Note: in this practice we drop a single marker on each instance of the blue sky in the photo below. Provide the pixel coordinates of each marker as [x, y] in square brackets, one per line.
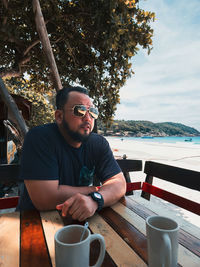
[166, 84]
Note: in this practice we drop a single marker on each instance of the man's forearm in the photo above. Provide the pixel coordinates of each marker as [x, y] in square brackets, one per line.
[113, 189]
[45, 195]
[65, 191]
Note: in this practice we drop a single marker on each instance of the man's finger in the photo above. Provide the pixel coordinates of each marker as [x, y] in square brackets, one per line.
[59, 207]
[66, 205]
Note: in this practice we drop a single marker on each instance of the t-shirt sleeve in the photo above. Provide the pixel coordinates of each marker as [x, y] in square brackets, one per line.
[38, 162]
[106, 166]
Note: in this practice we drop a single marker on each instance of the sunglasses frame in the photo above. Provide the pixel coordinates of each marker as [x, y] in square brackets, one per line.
[93, 115]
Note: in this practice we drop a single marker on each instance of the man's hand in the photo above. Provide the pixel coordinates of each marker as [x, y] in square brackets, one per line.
[79, 206]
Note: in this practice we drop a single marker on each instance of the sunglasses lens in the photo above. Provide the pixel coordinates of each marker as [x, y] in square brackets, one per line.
[80, 111]
[94, 113]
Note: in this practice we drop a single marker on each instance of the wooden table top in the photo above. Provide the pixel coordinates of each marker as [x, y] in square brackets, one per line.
[27, 239]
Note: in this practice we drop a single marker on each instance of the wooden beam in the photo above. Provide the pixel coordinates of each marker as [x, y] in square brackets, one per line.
[10, 103]
[172, 198]
[176, 175]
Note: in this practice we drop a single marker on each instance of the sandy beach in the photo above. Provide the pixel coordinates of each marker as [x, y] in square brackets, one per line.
[184, 155]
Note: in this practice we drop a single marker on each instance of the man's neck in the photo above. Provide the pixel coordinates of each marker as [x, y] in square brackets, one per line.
[68, 138]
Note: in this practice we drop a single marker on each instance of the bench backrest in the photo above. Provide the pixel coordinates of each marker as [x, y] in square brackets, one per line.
[184, 177]
[9, 175]
[127, 165]
[176, 175]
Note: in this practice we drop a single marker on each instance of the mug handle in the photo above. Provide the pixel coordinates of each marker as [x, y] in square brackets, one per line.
[102, 248]
[167, 250]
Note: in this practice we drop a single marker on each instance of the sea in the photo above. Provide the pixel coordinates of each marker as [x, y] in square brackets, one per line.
[194, 140]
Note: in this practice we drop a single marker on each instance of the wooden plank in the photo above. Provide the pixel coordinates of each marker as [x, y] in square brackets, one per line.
[119, 250]
[186, 239]
[51, 222]
[133, 186]
[130, 165]
[149, 179]
[9, 239]
[180, 176]
[94, 248]
[9, 202]
[172, 198]
[33, 251]
[127, 231]
[144, 210]
[94, 253]
[189, 245]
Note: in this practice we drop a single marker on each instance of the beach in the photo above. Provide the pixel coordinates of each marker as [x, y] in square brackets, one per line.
[184, 154]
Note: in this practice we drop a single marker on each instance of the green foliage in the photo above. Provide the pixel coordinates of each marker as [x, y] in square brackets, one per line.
[139, 128]
[93, 43]
[42, 109]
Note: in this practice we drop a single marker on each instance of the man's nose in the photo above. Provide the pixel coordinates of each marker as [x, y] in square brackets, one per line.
[87, 116]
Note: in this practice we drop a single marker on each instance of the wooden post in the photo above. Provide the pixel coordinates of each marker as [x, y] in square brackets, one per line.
[149, 179]
[43, 35]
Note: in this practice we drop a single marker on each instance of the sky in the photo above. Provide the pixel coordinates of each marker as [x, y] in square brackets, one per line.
[166, 84]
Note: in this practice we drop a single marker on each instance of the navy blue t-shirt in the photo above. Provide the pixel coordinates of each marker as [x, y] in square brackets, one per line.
[47, 156]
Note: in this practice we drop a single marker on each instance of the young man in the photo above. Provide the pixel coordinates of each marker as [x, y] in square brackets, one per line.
[59, 161]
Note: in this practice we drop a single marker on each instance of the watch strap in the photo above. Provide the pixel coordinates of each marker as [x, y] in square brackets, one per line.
[99, 199]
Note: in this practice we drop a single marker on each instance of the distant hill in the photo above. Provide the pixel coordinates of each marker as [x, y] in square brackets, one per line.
[147, 128]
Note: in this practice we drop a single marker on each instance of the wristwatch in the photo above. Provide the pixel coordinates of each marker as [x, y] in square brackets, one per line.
[98, 198]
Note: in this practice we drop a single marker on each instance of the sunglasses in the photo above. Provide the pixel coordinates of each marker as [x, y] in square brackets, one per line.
[80, 111]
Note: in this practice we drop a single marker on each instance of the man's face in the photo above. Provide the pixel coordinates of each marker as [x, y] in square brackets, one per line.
[78, 128]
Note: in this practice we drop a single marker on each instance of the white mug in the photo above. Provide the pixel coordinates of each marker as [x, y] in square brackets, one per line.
[162, 241]
[71, 252]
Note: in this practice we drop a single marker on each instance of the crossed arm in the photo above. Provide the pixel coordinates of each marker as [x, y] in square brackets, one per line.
[47, 195]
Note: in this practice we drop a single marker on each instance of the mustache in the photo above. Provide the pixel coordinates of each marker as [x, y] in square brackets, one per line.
[86, 124]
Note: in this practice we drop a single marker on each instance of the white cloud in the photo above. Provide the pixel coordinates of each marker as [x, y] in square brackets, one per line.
[166, 84]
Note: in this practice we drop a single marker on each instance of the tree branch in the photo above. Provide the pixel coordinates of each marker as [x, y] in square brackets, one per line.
[10, 73]
[43, 35]
[5, 3]
[31, 46]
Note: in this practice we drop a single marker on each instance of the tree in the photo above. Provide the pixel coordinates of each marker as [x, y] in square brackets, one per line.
[42, 108]
[93, 43]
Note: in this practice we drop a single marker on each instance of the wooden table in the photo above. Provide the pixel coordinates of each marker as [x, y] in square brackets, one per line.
[27, 239]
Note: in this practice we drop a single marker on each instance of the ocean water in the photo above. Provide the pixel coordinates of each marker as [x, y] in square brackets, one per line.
[169, 139]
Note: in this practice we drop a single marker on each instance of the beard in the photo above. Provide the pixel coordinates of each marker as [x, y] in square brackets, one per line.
[75, 135]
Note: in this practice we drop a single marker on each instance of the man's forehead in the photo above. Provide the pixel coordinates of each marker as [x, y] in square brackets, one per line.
[78, 98]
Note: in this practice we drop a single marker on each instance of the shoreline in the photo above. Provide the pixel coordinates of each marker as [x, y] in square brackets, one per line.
[180, 154]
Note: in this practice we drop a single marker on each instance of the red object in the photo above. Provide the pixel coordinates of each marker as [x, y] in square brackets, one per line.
[133, 186]
[8, 202]
[170, 197]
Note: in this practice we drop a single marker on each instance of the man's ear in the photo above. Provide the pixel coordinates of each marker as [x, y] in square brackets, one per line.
[59, 116]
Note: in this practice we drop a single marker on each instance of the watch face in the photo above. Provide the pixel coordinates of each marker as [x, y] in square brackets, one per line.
[97, 195]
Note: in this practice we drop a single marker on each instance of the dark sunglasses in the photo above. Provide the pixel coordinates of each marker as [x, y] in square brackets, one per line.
[80, 111]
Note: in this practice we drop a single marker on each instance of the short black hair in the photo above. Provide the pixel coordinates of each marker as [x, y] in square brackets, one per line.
[63, 94]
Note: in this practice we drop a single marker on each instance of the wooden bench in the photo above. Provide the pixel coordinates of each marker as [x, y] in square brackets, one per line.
[9, 175]
[179, 176]
[127, 166]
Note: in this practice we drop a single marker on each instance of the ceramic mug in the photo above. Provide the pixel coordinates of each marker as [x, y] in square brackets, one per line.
[71, 252]
[162, 241]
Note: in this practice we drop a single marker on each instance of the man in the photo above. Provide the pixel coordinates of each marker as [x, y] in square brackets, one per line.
[60, 159]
